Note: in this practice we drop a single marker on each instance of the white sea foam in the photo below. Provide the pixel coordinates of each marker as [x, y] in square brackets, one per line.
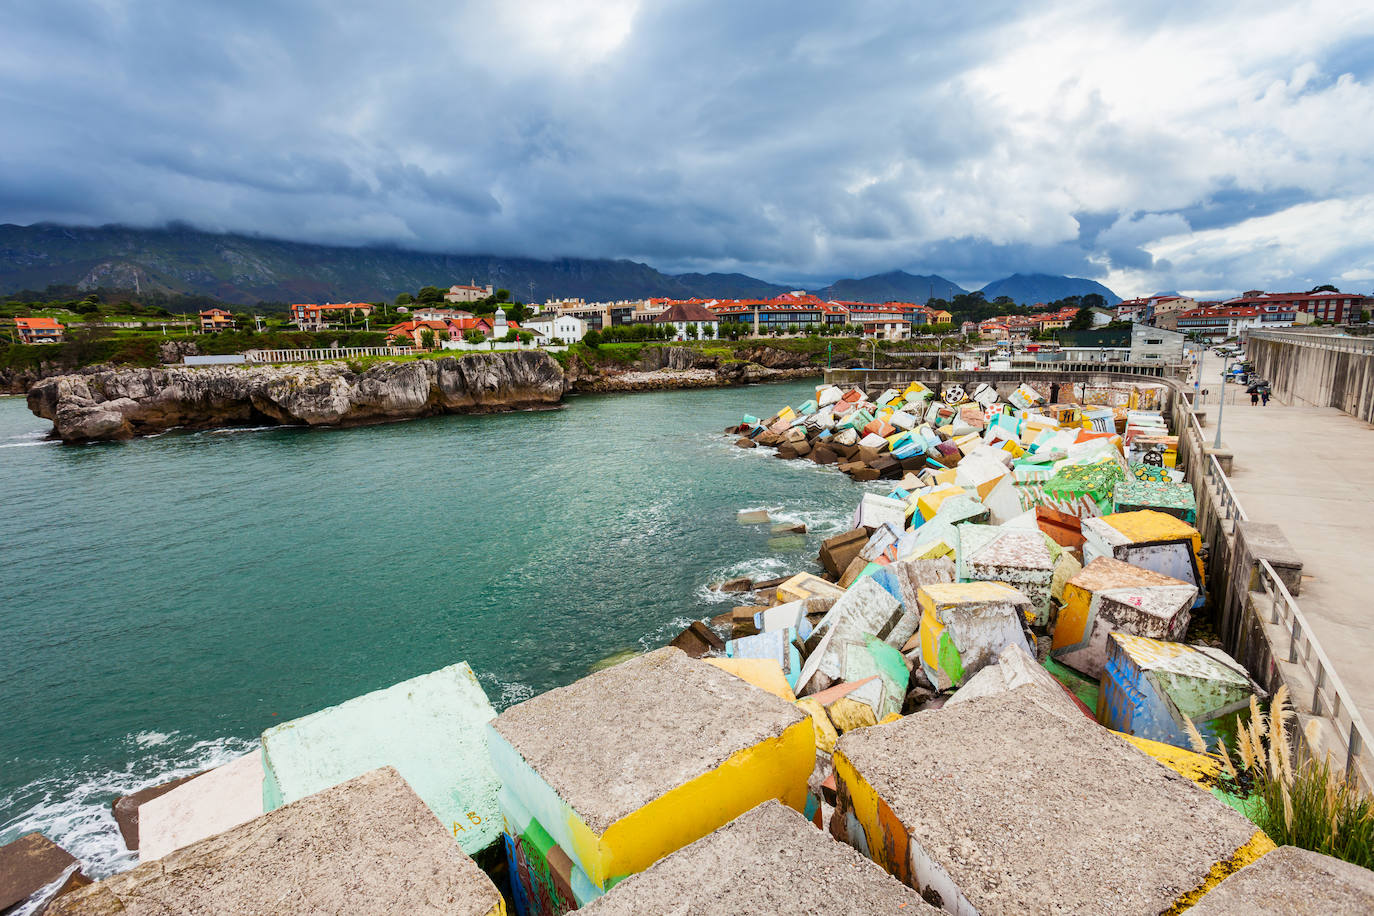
[503, 693]
[755, 568]
[73, 808]
[663, 634]
[41, 897]
[242, 429]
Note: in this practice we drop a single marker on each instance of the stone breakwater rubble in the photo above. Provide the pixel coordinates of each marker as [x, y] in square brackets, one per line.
[978, 700]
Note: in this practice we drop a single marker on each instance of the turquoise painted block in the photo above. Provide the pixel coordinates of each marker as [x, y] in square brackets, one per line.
[431, 728]
[808, 408]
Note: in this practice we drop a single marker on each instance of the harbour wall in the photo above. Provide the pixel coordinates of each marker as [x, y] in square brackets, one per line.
[1316, 370]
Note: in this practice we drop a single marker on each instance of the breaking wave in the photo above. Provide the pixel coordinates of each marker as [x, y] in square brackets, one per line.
[73, 808]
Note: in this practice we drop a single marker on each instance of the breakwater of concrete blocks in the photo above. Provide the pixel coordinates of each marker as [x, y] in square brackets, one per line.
[984, 697]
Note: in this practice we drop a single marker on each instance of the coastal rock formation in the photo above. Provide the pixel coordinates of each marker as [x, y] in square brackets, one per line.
[668, 367]
[122, 403]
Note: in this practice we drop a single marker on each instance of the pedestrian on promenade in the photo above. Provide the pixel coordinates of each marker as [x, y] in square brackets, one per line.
[1254, 398]
[1264, 396]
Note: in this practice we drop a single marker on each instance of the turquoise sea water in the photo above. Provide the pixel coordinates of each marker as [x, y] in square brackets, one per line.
[163, 601]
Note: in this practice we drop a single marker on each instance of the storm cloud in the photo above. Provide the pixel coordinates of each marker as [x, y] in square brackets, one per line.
[1204, 147]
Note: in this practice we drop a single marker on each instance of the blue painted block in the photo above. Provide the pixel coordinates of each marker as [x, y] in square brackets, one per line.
[776, 645]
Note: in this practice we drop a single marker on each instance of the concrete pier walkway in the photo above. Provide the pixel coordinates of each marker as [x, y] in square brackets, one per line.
[1310, 470]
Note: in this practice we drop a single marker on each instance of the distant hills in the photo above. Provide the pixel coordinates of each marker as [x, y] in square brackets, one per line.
[249, 269]
[894, 286]
[1028, 289]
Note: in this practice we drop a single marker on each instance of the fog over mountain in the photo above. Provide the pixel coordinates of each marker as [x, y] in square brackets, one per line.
[1164, 145]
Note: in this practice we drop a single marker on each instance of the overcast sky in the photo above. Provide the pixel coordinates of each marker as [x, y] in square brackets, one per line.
[1197, 146]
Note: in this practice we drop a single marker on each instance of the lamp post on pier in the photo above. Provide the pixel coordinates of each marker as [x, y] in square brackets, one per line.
[1225, 364]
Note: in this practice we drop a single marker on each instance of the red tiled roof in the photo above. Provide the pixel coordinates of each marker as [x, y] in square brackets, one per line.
[38, 324]
[687, 311]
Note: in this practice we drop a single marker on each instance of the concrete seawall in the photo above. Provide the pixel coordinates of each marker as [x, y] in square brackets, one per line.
[1316, 370]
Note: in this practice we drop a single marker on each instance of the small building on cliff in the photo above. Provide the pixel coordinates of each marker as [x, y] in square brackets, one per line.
[683, 314]
[216, 320]
[39, 330]
[470, 292]
[567, 328]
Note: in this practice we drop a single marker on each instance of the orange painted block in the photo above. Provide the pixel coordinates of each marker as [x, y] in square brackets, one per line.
[1064, 529]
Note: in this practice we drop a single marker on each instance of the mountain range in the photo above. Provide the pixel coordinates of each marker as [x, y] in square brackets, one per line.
[246, 269]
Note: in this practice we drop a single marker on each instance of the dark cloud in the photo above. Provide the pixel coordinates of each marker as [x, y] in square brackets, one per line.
[795, 141]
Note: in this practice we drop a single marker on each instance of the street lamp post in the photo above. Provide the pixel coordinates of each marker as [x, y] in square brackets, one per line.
[1225, 364]
[873, 363]
[940, 352]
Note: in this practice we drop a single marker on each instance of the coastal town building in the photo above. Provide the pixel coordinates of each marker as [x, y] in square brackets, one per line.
[567, 328]
[1220, 321]
[1335, 308]
[467, 293]
[216, 320]
[39, 330]
[689, 314]
[429, 313]
[411, 333]
[601, 315]
[309, 316]
[886, 328]
[1138, 343]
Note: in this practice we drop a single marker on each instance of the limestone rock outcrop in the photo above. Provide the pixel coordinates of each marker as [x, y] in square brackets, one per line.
[122, 403]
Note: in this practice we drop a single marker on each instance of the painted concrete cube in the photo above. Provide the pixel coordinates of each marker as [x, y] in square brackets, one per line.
[213, 802]
[1150, 540]
[1110, 596]
[965, 625]
[604, 777]
[866, 609]
[775, 858]
[1292, 882]
[773, 645]
[1176, 499]
[368, 845]
[874, 511]
[1151, 687]
[1008, 805]
[1021, 557]
[431, 728]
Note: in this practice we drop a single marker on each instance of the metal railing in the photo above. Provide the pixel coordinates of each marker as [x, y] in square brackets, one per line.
[1315, 340]
[322, 353]
[1231, 509]
[1329, 698]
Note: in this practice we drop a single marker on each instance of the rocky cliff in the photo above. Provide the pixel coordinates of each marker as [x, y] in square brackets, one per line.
[668, 367]
[122, 403]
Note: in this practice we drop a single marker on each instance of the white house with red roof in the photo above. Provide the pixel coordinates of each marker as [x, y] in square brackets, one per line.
[39, 330]
[682, 314]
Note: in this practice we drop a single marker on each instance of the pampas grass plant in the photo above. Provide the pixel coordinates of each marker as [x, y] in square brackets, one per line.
[1307, 805]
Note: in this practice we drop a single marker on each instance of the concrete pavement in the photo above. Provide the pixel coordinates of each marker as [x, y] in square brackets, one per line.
[1310, 470]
